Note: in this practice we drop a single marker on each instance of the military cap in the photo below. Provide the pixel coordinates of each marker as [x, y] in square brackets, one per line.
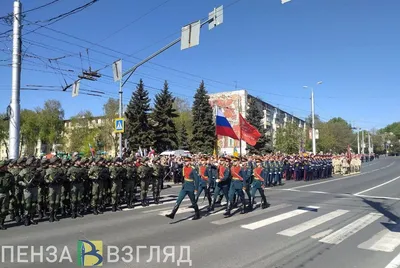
[157, 158]
[99, 159]
[75, 158]
[44, 161]
[258, 160]
[117, 160]
[83, 160]
[244, 159]
[30, 161]
[65, 161]
[21, 160]
[3, 163]
[187, 158]
[235, 158]
[54, 160]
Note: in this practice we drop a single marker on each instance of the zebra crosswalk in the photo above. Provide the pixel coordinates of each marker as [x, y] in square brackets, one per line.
[323, 225]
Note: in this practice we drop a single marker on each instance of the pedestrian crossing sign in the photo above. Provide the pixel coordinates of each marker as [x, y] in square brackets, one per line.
[119, 125]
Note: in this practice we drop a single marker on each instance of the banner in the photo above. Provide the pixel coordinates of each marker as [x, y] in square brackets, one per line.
[249, 133]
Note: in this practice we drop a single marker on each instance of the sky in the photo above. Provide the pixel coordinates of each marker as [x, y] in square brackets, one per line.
[269, 49]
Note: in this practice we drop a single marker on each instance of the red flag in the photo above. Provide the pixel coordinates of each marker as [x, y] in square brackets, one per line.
[249, 133]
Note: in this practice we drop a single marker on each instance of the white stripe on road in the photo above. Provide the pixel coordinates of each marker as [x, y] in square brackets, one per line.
[312, 223]
[338, 179]
[385, 240]
[278, 218]
[380, 185]
[395, 263]
[322, 234]
[250, 214]
[379, 197]
[160, 209]
[350, 229]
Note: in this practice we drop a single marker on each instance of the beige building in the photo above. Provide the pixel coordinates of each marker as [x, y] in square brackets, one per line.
[273, 118]
[42, 149]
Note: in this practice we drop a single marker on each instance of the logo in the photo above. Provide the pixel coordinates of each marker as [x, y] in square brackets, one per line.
[90, 253]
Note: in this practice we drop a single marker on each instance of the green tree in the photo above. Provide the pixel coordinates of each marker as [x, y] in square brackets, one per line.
[183, 138]
[185, 118]
[392, 128]
[137, 115]
[51, 120]
[254, 117]
[203, 138]
[82, 133]
[288, 138]
[30, 130]
[107, 138]
[4, 132]
[165, 134]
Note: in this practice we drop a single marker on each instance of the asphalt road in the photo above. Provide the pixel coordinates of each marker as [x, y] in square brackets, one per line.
[341, 222]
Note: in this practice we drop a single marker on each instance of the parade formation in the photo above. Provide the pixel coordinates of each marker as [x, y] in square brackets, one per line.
[33, 188]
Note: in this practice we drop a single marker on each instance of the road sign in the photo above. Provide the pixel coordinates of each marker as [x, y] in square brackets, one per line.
[218, 17]
[119, 126]
[190, 35]
[75, 88]
[117, 70]
[285, 1]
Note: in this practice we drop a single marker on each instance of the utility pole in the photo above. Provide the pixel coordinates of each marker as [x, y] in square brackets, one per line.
[362, 143]
[358, 140]
[314, 143]
[369, 147]
[14, 138]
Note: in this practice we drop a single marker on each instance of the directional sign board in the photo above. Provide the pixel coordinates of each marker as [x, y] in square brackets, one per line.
[285, 1]
[190, 35]
[75, 88]
[117, 70]
[217, 16]
[119, 125]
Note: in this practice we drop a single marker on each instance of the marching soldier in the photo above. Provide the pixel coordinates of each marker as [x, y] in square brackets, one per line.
[75, 176]
[223, 181]
[258, 185]
[65, 187]
[130, 182]
[203, 182]
[157, 178]
[144, 173]
[6, 186]
[53, 178]
[238, 185]
[95, 175]
[116, 183]
[42, 190]
[189, 180]
[29, 182]
[16, 208]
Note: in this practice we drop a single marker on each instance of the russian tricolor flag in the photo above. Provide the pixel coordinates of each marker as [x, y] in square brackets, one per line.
[223, 127]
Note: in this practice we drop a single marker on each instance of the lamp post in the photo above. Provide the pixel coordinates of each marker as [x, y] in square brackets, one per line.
[314, 145]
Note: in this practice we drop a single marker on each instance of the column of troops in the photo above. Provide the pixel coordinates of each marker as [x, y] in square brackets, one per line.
[33, 188]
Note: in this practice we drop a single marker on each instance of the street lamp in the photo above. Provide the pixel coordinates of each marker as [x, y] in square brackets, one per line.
[314, 145]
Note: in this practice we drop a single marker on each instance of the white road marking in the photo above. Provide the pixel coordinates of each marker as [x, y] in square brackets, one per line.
[312, 223]
[395, 263]
[378, 197]
[338, 179]
[350, 229]
[322, 234]
[380, 185]
[386, 240]
[278, 218]
[250, 214]
[151, 205]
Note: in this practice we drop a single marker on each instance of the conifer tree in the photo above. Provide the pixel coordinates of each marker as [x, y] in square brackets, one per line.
[183, 138]
[203, 139]
[137, 116]
[165, 134]
[254, 116]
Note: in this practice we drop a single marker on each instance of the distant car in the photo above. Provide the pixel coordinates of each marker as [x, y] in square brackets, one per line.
[176, 153]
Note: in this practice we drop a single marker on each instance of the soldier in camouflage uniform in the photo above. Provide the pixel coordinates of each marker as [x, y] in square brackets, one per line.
[65, 188]
[130, 182]
[29, 181]
[16, 209]
[75, 177]
[6, 186]
[42, 189]
[87, 184]
[53, 178]
[144, 174]
[116, 183]
[108, 165]
[157, 178]
[95, 175]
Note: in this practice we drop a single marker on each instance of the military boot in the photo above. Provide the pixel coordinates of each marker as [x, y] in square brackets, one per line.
[95, 211]
[12, 216]
[62, 210]
[172, 214]
[101, 209]
[251, 204]
[17, 218]
[156, 200]
[55, 216]
[211, 208]
[51, 216]
[40, 214]
[73, 214]
[227, 214]
[114, 208]
[27, 221]
[197, 213]
[119, 208]
[2, 226]
[32, 219]
[243, 210]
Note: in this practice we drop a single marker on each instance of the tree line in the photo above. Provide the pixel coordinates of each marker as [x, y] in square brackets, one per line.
[172, 123]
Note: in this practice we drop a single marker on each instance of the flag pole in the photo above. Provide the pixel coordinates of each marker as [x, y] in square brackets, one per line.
[216, 136]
